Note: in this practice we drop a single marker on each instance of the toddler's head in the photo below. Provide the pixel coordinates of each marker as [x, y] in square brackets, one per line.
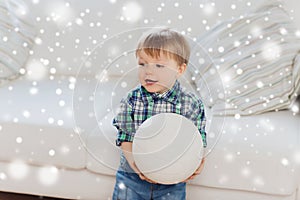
[163, 56]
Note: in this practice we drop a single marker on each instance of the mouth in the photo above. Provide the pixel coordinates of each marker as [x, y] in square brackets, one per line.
[150, 82]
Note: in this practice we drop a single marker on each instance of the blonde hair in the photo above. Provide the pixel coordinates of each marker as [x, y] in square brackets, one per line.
[165, 41]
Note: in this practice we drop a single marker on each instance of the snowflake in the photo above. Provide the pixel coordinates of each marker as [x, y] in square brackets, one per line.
[48, 175]
[19, 140]
[51, 152]
[271, 51]
[18, 169]
[132, 11]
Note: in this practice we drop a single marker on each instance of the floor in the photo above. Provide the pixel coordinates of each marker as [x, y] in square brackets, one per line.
[12, 196]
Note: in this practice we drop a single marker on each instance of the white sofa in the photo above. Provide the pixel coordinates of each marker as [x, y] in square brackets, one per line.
[43, 153]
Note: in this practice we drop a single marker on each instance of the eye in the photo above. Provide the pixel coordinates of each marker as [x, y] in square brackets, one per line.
[142, 64]
[159, 66]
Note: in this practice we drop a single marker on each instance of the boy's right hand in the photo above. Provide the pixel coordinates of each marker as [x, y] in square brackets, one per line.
[127, 150]
[141, 175]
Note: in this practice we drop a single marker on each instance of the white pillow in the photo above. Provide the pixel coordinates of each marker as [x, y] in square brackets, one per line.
[17, 37]
[246, 65]
[296, 70]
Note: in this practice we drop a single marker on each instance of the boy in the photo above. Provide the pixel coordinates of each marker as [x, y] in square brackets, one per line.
[162, 58]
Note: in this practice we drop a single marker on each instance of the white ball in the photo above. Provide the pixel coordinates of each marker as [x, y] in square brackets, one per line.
[167, 148]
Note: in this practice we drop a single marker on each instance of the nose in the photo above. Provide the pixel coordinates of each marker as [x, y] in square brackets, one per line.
[149, 68]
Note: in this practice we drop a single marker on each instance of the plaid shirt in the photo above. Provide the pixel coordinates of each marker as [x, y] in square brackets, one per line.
[140, 105]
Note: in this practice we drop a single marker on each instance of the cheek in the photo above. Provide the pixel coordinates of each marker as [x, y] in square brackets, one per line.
[167, 77]
[141, 74]
[173, 70]
[170, 73]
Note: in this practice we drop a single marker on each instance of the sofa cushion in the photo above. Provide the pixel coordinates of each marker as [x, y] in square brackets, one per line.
[255, 153]
[17, 37]
[195, 191]
[103, 154]
[36, 124]
[296, 70]
[246, 65]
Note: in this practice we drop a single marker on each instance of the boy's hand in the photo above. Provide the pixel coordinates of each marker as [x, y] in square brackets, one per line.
[127, 150]
[141, 175]
[197, 172]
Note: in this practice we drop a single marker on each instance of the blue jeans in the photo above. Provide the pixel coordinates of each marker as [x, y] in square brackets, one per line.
[129, 186]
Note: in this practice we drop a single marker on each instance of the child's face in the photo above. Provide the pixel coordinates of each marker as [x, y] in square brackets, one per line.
[158, 75]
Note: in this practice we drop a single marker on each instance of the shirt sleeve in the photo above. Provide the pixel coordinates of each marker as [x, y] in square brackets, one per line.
[124, 122]
[199, 119]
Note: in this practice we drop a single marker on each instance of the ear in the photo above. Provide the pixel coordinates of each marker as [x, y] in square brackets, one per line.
[181, 70]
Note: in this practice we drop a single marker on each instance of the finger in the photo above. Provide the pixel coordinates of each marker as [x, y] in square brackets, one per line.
[192, 177]
[200, 168]
[189, 178]
[197, 172]
[150, 181]
[143, 177]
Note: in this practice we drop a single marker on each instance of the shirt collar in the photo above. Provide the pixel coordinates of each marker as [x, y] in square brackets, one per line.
[170, 95]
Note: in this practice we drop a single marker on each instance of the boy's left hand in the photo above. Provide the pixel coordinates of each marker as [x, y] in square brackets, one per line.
[197, 172]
